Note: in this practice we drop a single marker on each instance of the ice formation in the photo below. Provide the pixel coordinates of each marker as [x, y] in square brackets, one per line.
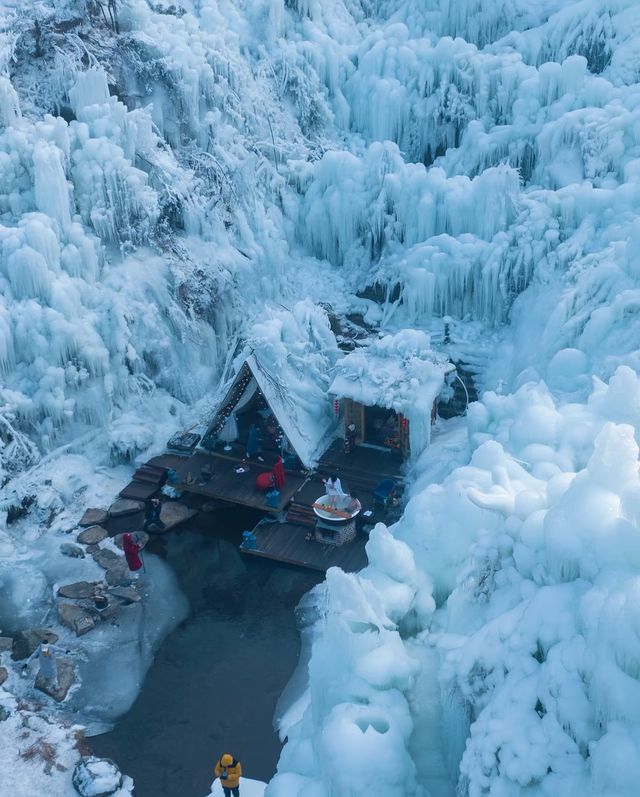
[164, 187]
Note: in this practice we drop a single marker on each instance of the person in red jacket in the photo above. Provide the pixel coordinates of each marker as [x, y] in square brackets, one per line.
[131, 553]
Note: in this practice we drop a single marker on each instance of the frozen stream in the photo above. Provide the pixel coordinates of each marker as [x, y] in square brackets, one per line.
[217, 678]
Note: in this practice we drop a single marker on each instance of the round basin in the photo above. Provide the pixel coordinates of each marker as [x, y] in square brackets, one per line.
[327, 515]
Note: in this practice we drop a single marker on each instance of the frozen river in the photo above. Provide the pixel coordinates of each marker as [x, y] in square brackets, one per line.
[217, 678]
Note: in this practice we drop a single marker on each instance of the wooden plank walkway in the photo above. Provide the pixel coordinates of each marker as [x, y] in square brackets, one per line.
[361, 470]
[227, 485]
[286, 542]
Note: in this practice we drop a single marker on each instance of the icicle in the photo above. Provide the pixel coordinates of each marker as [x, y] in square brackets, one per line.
[28, 274]
[51, 188]
[91, 88]
[9, 103]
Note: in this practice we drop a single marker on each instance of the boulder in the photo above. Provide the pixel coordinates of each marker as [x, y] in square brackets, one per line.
[4, 674]
[93, 517]
[66, 678]
[107, 558]
[25, 642]
[172, 514]
[125, 506]
[118, 576]
[76, 618]
[4, 713]
[6, 643]
[96, 777]
[127, 595]
[69, 549]
[77, 590]
[93, 535]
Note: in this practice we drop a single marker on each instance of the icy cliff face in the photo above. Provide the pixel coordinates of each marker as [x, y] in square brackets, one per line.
[166, 169]
[139, 212]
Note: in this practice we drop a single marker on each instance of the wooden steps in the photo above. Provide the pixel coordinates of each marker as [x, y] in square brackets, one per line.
[139, 491]
[301, 515]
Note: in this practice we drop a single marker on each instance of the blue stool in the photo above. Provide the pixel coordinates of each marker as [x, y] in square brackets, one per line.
[384, 492]
[273, 498]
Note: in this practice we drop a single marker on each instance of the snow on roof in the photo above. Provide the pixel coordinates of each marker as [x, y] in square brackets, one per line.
[399, 372]
[292, 355]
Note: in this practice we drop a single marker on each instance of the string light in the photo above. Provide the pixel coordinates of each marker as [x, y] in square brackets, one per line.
[235, 394]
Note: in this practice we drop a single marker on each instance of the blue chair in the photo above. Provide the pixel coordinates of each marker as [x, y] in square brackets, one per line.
[273, 498]
[384, 492]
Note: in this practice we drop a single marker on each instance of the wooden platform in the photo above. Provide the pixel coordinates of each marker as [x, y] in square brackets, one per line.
[361, 470]
[285, 542]
[227, 485]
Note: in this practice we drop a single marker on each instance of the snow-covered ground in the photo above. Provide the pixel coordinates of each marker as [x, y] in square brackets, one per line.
[250, 788]
[173, 176]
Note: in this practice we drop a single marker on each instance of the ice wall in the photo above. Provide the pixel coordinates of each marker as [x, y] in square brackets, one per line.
[140, 208]
[360, 677]
[540, 123]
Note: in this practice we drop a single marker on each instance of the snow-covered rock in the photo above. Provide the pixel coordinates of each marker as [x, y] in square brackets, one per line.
[96, 777]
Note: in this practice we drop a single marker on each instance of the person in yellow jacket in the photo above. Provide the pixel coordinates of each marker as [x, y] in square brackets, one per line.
[229, 770]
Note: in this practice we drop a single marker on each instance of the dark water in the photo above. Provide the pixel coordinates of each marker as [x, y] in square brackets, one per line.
[215, 682]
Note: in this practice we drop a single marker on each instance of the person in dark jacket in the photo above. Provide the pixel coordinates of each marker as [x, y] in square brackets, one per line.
[153, 507]
[254, 442]
[229, 770]
[131, 553]
[350, 439]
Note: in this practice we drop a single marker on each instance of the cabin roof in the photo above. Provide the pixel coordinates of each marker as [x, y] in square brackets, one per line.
[399, 372]
[291, 354]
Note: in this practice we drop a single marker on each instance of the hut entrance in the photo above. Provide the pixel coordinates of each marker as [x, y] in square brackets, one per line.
[377, 427]
[381, 427]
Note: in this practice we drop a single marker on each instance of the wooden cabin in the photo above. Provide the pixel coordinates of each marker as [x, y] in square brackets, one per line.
[377, 426]
[388, 390]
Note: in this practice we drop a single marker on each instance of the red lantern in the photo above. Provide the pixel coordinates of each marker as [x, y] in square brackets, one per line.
[404, 423]
[336, 407]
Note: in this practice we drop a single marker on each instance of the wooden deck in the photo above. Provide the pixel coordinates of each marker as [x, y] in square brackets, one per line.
[227, 485]
[286, 542]
[361, 470]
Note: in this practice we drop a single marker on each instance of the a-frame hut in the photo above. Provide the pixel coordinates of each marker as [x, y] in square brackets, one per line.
[282, 387]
